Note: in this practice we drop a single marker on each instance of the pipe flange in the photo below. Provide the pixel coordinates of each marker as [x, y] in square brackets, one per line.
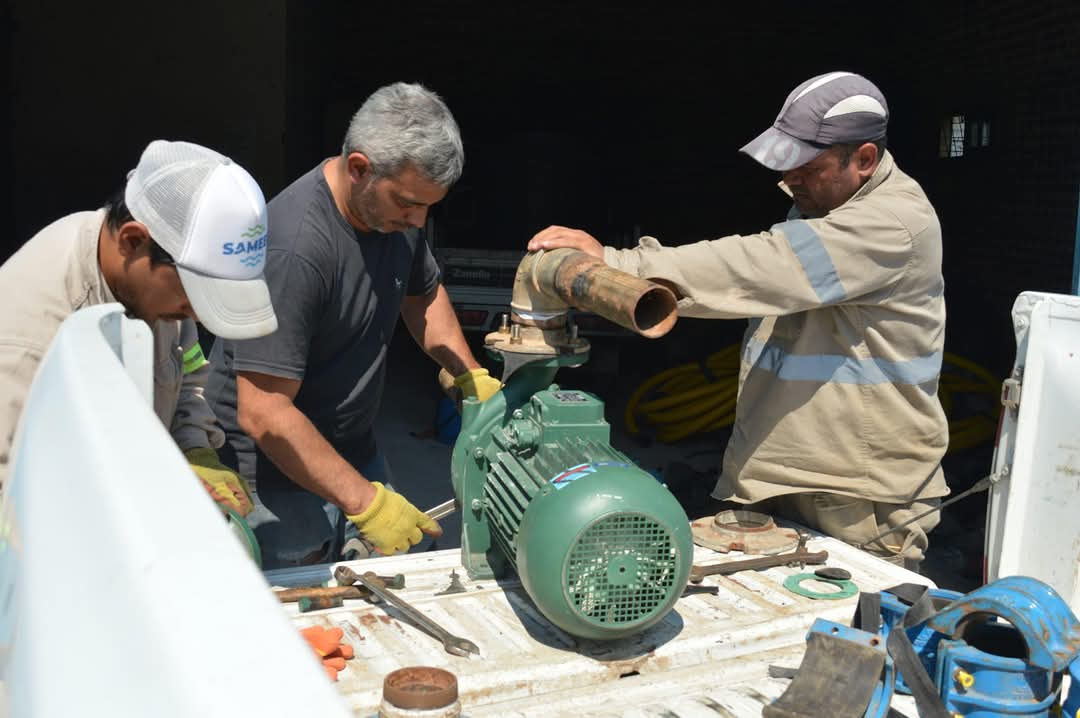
[747, 531]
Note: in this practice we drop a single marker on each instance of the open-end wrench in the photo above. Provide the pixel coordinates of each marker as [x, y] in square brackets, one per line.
[442, 510]
[453, 644]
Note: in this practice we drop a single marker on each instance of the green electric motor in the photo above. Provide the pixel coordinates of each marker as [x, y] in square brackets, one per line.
[602, 548]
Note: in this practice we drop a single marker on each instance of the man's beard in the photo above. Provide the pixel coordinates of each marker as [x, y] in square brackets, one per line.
[131, 308]
[364, 206]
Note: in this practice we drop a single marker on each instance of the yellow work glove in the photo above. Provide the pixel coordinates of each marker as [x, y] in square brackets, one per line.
[222, 483]
[392, 524]
[477, 384]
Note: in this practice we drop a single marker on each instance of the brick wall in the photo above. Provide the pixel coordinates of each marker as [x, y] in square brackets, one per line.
[93, 84]
[1008, 210]
[608, 115]
[617, 115]
[614, 116]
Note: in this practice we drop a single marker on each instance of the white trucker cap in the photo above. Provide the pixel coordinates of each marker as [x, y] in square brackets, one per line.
[209, 215]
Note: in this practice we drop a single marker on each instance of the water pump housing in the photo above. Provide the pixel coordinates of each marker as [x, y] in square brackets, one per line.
[602, 547]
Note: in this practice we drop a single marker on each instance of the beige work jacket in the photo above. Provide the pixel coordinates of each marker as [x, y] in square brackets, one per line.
[57, 273]
[840, 364]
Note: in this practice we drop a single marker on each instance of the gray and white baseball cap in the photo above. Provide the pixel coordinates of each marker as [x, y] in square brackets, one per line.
[831, 109]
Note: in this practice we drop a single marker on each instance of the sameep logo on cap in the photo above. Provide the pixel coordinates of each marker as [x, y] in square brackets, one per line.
[252, 245]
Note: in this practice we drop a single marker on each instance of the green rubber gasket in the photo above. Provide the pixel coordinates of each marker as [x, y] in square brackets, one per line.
[244, 534]
[793, 583]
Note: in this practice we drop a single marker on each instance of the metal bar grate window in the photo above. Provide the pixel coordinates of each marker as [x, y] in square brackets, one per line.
[960, 133]
[953, 130]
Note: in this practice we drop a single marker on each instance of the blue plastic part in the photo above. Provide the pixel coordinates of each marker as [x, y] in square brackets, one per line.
[1071, 709]
[883, 693]
[1048, 629]
[447, 421]
[1001, 686]
[923, 638]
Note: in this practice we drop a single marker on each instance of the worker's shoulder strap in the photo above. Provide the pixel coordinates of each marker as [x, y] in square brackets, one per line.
[920, 608]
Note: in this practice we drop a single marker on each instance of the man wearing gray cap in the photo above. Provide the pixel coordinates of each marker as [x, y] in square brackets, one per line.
[838, 423]
[183, 240]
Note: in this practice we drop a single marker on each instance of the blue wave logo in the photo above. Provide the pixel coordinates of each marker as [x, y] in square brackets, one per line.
[252, 259]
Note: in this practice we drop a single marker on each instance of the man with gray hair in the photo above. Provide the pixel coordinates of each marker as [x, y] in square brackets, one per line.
[344, 260]
[838, 423]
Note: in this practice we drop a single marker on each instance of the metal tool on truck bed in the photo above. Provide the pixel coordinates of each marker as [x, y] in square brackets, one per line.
[453, 644]
[799, 557]
[291, 595]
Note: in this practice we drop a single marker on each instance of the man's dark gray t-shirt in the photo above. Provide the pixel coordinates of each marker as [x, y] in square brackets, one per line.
[337, 294]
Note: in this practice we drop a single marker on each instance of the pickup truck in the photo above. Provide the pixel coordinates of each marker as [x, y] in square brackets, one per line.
[122, 591]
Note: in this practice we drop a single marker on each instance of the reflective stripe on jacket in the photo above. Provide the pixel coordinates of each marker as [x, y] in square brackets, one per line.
[840, 364]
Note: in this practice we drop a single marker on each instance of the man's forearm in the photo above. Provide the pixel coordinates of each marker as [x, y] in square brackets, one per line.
[434, 325]
[298, 449]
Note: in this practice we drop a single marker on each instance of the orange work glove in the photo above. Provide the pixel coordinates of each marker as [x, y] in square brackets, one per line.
[328, 646]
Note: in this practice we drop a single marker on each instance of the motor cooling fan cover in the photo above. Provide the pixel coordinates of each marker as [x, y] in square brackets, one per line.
[606, 553]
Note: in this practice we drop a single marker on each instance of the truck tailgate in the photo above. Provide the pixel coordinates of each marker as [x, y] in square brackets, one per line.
[708, 657]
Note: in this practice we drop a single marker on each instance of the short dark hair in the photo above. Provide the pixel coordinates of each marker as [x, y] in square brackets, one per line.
[117, 213]
[848, 149]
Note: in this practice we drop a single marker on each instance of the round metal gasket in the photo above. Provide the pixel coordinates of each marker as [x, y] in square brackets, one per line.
[747, 531]
[794, 582]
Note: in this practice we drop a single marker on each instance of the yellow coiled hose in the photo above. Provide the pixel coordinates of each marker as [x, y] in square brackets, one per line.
[693, 399]
[960, 377]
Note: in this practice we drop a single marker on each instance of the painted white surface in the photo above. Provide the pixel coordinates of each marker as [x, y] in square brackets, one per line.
[122, 592]
[711, 650]
[1033, 521]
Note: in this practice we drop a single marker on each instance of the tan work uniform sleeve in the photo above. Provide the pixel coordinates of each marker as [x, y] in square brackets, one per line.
[18, 364]
[193, 423]
[795, 266]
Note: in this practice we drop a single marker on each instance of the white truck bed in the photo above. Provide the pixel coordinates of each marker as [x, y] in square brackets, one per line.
[708, 657]
[161, 613]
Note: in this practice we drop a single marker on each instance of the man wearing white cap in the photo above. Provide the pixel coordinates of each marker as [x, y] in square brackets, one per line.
[838, 423]
[184, 240]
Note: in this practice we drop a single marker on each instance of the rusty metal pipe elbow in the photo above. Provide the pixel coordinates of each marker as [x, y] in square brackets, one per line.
[549, 282]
